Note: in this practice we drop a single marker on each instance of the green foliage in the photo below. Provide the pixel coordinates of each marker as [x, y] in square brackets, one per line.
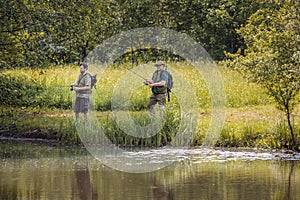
[118, 137]
[34, 122]
[272, 57]
[211, 23]
[44, 88]
[258, 136]
[240, 92]
[18, 91]
[38, 33]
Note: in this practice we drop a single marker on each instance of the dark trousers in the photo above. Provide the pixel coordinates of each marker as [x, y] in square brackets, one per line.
[154, 99]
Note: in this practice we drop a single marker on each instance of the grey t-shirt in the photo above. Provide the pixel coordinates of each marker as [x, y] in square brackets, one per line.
[84, 80]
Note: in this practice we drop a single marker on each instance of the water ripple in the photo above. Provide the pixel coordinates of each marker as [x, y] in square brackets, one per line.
[200, 155]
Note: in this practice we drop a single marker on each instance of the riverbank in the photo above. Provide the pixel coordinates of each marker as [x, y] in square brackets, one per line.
[37, 104]
[259, 127]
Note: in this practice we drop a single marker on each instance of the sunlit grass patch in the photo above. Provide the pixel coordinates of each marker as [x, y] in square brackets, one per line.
[240, 92]
[257, 126]
[49, 87]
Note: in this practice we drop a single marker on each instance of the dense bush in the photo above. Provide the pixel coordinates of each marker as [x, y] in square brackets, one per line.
[24, 91]
[35, 88]
[19, 91]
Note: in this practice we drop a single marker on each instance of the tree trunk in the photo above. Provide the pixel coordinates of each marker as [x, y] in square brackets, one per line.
[288, 114]
[84, 51]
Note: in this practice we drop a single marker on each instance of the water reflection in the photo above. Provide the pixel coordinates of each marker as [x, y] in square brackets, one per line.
[80, 176]
[84, 185]
[288, 192]
[160, 192]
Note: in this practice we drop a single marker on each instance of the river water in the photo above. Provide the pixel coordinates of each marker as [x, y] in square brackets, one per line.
[31, 171]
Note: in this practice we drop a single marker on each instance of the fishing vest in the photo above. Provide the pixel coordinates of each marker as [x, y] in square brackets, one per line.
[157, 77]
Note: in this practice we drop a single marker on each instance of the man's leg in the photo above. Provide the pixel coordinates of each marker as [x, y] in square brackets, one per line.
[77, 108]
[86, 104]
[161, 98]
[86, 116]
[151, 104]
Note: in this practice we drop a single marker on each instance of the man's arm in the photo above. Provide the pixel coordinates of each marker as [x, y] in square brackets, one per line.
[161, 83]
[82, 88]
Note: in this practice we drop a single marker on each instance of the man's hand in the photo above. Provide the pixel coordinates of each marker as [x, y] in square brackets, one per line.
[149, 81]
[75, 88]
[72, 86]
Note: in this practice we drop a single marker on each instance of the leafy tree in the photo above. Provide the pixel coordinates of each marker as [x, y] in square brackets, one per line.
[34, 33]
[212, 23]
[272, 57]
[11, 24]
[38, 32]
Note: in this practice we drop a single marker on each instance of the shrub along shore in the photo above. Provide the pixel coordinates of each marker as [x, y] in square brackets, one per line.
[37, 103]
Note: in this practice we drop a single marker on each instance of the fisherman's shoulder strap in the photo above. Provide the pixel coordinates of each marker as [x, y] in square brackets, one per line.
[154, 76]
[81, 78]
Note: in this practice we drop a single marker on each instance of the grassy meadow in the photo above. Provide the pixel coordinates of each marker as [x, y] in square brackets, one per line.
[37, 103]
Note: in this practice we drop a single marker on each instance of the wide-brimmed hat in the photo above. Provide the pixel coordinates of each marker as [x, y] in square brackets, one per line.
[159, 63]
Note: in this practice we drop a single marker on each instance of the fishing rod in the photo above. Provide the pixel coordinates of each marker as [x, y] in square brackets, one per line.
[58, 86]
[135, 73]
[61, 86]
[132, 62]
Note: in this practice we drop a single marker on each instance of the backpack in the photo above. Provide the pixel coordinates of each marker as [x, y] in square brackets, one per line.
[170, 81]
[93, 81]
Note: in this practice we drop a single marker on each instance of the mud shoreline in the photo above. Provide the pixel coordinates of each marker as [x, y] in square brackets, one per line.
[17, 138]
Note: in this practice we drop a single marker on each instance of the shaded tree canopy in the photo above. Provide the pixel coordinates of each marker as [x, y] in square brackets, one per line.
[40, 32]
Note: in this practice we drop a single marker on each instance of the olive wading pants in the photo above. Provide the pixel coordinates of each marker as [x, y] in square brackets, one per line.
[156, 98]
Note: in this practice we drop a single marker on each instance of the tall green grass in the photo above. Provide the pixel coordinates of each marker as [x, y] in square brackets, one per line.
[28, 97]
[49, 87]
